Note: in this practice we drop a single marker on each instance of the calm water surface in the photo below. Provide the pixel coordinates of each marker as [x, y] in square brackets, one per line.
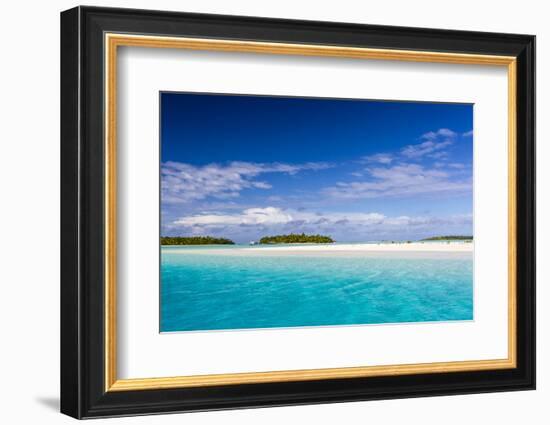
[201, 291]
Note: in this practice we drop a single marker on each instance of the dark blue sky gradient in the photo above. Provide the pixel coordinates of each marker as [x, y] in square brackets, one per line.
[204, 128]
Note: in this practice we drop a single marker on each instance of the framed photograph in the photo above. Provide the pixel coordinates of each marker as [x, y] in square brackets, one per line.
[261, 212]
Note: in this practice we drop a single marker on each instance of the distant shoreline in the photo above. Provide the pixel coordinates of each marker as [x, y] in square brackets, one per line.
[401, 250]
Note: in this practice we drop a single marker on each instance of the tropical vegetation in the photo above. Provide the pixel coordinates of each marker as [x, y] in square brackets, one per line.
[296, 238]
[449, 238]
[194, 240]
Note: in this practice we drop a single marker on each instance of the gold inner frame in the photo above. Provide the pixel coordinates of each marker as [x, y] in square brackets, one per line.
[113, 41]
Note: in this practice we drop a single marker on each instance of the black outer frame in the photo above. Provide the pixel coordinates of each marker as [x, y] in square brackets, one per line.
[82, 219]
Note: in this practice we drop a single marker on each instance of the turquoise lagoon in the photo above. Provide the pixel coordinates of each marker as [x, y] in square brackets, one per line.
[205, 290]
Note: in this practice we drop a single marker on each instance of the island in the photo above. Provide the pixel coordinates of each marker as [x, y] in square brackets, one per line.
[194, 240]
[448, 238]
[296, 238]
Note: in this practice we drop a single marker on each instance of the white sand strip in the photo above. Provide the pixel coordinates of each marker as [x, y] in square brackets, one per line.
[396, 250]
[413, 246]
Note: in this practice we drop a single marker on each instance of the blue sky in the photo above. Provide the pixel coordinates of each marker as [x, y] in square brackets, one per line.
[247, 166]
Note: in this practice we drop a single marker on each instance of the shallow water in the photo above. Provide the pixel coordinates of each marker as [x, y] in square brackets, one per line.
[214, 292]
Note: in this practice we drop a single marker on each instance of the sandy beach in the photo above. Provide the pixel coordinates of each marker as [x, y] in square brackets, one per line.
[389, 250]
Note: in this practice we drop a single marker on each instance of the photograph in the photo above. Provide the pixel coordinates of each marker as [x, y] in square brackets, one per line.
[282, 212]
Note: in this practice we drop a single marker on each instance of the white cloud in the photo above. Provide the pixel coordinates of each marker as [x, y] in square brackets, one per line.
[435, 135]
[457, 165]
[468, 133]
[262, 185]
[432, 145]
[261, 221]
[380, 158]
[274, 215]
[393, 175]
[441, 155]
[183, 182]
[250, 216]
[399, 180]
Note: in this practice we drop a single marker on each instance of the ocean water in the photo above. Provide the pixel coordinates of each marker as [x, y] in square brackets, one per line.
[202, 291]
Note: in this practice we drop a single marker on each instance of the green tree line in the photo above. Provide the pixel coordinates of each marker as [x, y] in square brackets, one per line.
[194, 240]
[296, 238]
[449, 238]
